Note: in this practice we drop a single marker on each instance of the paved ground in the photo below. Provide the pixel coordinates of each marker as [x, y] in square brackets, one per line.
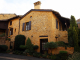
[4, 56]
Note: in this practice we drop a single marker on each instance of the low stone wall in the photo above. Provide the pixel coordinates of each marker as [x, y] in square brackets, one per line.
[63, 36]
[70, 50]
[3, 41]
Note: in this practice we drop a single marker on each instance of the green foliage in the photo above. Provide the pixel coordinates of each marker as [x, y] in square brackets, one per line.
[60, 43]
[2, 35]
[37, 54]
[8, 39]
[73, 34]
[63, 55]
[75, 56]
[35, 47]
[3, 48]
[75, 37]
[17, 52]
[63, 52]
[50, 45]
[53, 57]
[23, 47]
[29, 45]
[8, 51]
[19, 40]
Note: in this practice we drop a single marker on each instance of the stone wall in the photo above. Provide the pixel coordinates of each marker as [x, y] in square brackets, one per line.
[43, 23]
[3, 41]
[15, 26]
[70, 50]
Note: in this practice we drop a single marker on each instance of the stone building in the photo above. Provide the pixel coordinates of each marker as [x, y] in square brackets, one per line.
[40, 25]
[78, 23]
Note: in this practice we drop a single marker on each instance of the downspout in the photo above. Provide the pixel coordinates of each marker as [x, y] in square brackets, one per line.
[19, 27]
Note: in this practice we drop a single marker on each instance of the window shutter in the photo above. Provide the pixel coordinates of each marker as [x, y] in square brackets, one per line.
[56, 24]
[11, 31]
[23, 26]
[29, 25]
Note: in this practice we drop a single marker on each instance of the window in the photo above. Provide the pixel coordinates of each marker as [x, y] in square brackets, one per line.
[59, 26]
[10, 22]
[11, 31]
[26, 26]
[30, 16]
[56, 24]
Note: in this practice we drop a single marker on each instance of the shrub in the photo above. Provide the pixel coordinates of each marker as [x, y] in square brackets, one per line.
[75, 56]
[3, 48]
[17, 52]
[8, 39]
[1, 35]
[60, 43]
[23, 47]
[8, 51]
[19, 40]
[37, 54]
[50, 45]
[45, 55]
[35, 47]
[29, 45]
[63, 55]
[52, 57]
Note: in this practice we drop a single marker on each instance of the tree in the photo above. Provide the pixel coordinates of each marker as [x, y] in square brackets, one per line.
[73, 33]
[50, 45]
[29, 45]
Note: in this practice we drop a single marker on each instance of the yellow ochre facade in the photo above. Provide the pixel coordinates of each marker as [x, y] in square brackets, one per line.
[43, 26]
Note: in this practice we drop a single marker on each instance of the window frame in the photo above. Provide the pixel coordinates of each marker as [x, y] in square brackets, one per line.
[11, 31]
[27, 26]
[56, 24]
[10, 22]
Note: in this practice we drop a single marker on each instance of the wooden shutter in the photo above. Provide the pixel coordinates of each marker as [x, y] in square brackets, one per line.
[56, 24]
[29, 25]
[23, 26]
[59, 26]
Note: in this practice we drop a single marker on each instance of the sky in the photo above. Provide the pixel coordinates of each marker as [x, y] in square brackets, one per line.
[66, 8]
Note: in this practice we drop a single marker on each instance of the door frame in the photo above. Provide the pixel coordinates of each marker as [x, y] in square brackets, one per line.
[41, 51]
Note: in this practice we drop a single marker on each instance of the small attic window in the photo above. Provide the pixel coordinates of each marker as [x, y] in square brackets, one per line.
[30, 16]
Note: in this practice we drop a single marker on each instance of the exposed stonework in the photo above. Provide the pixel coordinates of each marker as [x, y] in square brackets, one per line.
[15, 26]
[42, 24]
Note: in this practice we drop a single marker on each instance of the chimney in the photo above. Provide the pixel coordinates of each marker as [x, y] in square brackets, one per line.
[37, 5]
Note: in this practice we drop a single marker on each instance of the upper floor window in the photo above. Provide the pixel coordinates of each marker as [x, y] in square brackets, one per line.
[26, 26]
[10, 22]
[56, 24]
[11, 31]
[59, 26]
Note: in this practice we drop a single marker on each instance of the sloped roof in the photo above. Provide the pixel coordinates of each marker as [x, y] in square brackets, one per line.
[63, 19]
[78, 21]
[11, 18]
[6, 16]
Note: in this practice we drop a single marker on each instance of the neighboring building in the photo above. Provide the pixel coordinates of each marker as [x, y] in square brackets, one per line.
[4, 22]
[78, 23]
